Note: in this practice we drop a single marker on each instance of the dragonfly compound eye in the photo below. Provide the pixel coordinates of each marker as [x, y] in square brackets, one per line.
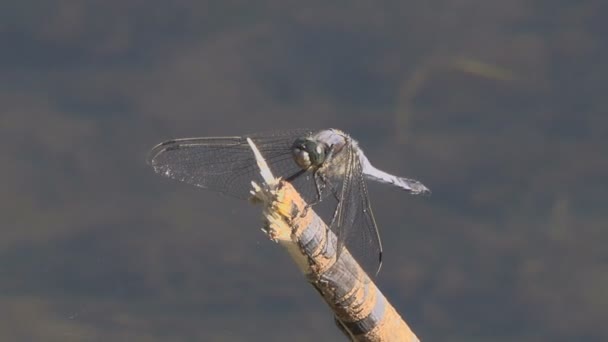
[308, 153]
[317, 153]
[301, 157]
[300, 152]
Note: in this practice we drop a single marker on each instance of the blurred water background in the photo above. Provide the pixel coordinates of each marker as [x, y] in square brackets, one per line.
[498, 106]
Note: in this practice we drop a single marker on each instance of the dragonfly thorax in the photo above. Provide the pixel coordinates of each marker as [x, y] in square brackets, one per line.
[308, 153]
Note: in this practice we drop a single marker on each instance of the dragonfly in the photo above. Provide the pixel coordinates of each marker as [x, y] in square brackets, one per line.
[321, 164]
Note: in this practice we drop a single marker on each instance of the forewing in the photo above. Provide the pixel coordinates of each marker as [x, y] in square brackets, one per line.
[354, 225]
[225, 164]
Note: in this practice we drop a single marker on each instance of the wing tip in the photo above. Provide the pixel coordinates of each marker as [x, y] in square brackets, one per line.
[169, 145]
[156, 150]
[379, 264]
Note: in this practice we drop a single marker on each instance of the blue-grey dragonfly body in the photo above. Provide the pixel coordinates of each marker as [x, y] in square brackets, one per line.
[321, 164]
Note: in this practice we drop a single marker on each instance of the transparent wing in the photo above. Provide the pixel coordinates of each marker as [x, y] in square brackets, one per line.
[354, 225]
[227, 164]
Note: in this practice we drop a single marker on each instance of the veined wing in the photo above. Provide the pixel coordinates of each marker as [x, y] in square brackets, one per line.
[354, 224]
[225, 164]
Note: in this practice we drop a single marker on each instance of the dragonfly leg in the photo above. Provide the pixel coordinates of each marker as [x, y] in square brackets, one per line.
[295, 175]
[320, 183]
[320, 180]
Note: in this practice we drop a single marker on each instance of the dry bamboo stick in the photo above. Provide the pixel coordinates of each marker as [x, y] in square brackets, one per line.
[360, 310]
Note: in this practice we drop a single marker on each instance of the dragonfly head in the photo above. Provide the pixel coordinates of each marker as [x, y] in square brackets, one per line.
[308, 153]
